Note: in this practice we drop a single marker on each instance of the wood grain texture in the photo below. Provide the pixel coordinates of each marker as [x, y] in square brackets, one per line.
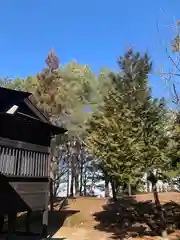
[32, 193]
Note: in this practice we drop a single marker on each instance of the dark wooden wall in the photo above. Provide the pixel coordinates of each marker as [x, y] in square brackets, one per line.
[18, 195]
[34, 194]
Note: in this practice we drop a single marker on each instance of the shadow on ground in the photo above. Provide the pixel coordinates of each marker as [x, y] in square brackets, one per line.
[56, 219]
[127, 217]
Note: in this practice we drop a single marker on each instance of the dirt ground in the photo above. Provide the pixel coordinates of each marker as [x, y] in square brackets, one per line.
[86, 218]
[81, 223]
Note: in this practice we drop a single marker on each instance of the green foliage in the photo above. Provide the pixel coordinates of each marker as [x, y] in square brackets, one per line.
[128, 132]
[176, 44]
[17, 84]
[124, 127]
[174, 147]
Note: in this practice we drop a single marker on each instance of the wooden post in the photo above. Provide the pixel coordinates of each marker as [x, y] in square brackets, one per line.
[45, 218]
[28, 222]
[1, 222]
[51, 195]
[45, 223]
[11, 226]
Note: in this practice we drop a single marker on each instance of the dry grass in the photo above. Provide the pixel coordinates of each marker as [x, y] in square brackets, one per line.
[86, 206]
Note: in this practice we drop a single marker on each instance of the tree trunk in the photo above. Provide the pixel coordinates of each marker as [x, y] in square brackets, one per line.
[67, 193]
[77, 192]
[106, 188]
[148, 187]
[72, 185]
[171, 186]
[155, 193]
[114, 192]
[129, 189]
[72, 177]
[75, 151]
[81, 177]
[85, 181]
[55, 189]
[52, 178]
[163, 229]
[76, 177]
[53, 173]
[160, 212]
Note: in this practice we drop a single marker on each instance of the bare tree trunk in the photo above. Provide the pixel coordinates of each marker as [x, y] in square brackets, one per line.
[72, 177]
[160, 212]
[81, 176]
[114, 190]
[148, 187]
[72, 186]
[155, 194]
[75, 151]
[171, 186]
[53, 165]
[68, 179]
[85, 181]
[129, 189]
[77, 192]
[76, 178]
[106, 188]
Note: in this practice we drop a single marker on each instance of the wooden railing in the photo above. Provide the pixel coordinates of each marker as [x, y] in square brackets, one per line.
[23, 162]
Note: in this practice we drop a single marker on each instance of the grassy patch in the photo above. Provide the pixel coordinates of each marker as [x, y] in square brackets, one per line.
[74, 220]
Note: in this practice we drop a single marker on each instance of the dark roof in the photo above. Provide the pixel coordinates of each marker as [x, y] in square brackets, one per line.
[35, 110]
[15, 94]
[54, 130]
[27, 110]
[10, 97]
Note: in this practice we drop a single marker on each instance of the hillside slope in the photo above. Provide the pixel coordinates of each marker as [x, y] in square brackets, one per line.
[88, 218]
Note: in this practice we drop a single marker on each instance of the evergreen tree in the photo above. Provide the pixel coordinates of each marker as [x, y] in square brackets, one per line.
[128, 132]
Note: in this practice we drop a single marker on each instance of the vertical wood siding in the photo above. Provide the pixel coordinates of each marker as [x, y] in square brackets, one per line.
[20, 162]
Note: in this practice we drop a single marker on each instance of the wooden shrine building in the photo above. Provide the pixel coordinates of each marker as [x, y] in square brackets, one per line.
[25, 136]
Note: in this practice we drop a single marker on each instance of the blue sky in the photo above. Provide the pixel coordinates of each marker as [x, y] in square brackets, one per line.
[92, 32]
